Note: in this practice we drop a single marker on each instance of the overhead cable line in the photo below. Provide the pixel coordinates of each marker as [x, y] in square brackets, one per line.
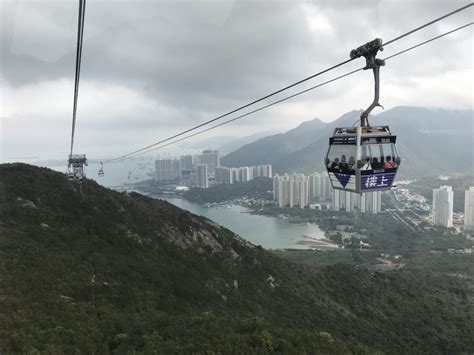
[248, 113]
[430, 40]
[134, 153]
[233, 111]
[80, 32]
[430, 23]
[300, 92]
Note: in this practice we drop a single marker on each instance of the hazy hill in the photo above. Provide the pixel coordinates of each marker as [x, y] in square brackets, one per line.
[226, 144]
[271, 149]
[430, 141]
[96, 271]
[235, 143]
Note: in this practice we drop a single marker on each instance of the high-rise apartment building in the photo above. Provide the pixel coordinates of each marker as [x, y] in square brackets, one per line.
[291, 191]
[300, 190]
[242, 174]
[201, 175]
[303, 193]
[186, 162]
[319, 187]
[210, 158]
[280, 196]
[167, 169]
[235, 175]
[443, 206]
[264, 170]
[352, 202]
[224, 175]
[336, 205]
[370, 202]
[469, 208]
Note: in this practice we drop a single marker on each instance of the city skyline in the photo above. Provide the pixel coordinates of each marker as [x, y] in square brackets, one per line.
[299, 190]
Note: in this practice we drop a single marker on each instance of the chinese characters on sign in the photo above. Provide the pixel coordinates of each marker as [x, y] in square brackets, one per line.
[376, 181]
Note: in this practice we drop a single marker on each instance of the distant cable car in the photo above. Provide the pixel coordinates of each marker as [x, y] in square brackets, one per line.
[76, 164]
[364, 158]
[101, 170]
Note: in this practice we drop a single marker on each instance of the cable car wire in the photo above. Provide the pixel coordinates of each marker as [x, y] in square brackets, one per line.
[134, 153]
[429, 40]
[299, 93]
[247, 113]
[429, 23]
[233, 111]
[80, 33]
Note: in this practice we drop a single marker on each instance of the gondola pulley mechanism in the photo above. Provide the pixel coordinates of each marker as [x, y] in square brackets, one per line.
[364, 158]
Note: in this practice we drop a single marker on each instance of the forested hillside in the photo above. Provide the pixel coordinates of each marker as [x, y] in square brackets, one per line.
[87, 269]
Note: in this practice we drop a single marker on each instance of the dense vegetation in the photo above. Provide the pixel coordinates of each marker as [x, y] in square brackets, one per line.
[256, 188]
[86, 269]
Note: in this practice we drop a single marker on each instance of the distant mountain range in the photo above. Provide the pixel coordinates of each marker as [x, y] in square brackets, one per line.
[430, 142]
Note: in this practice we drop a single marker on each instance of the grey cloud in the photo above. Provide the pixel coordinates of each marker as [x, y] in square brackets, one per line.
[199, 59]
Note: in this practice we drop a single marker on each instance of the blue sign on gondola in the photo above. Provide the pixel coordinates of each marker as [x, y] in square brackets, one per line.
[376, 181]
[343, 178]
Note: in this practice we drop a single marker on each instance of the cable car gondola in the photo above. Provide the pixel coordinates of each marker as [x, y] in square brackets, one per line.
[76, 164]
[364, 158]
[100, 173]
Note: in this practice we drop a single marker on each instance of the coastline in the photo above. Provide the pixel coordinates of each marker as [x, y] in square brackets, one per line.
[274, 232]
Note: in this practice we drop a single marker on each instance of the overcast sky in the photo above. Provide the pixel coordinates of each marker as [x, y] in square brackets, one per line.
[153, 68]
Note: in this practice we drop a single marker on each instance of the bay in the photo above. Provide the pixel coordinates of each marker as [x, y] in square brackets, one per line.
[269, 232]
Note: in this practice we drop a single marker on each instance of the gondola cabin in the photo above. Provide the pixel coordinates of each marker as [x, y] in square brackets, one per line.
[76, 163]
[362, 159]
[100, 173]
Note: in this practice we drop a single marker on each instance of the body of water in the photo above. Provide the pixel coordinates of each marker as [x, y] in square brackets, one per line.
[269, 232]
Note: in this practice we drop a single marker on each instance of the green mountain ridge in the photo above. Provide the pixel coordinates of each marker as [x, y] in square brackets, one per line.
[87, 269]
[430, 142]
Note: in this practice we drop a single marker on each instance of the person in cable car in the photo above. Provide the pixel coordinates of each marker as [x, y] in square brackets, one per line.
[367, 165]
[390, 164]
[335, 164]
[343, 164]
[375, 164]
[351, 163]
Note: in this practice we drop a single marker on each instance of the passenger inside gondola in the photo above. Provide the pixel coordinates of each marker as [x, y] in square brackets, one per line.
[375, 164]
[351, 163]
[390, 164]
[367, 165]
[343, 164]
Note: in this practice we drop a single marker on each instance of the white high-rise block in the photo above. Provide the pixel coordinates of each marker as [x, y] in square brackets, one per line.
[443, 206]
[202, 180]
[469, 208]
[167, 169]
